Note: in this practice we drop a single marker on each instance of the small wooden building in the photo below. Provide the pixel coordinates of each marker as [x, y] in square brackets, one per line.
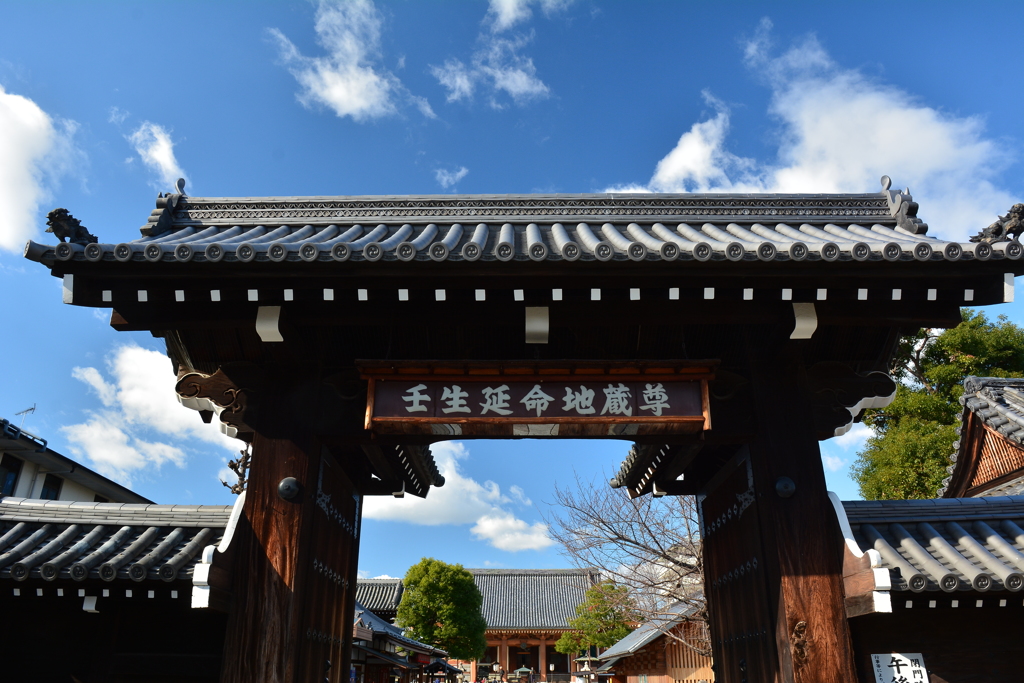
[651, 654]
[381, 653]
[109, 592]
[989, 460]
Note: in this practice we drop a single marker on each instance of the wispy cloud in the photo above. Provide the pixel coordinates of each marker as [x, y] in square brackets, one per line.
[498, 66]
[117, 116]
[36, 151]
[447, 178]
[839, 130]
[125, 438]
[505, 14]
[856, 437]
[155, 147]
[462, 501]
[349, 80]
[832, 462]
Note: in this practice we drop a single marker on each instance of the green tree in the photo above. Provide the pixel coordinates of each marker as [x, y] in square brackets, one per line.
[441, 607]
[602, 619]
[908, 453]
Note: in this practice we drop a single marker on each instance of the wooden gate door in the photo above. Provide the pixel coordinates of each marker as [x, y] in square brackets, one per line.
[742, 628]
[330, 563]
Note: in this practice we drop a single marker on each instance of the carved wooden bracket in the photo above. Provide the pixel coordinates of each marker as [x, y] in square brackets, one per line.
[840, 394]
[231, 392]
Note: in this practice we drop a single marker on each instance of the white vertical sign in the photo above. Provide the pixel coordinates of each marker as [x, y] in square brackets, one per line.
[899, 667]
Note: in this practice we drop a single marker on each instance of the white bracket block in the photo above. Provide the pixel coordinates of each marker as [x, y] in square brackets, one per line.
[69, 289]
[1007, 287]
[267, 319]
[806, 321]
[537, 324]
[481, 295]
[89, 604]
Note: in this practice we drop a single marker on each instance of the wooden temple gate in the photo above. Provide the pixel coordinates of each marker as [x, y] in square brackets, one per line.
[724, 335]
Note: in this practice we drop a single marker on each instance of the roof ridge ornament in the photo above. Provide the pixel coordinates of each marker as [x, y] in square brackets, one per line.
[162, 218]
[1005, 229]
[903, 208]
[63, 225]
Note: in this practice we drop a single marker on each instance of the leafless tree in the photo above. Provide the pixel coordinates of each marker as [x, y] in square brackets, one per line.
[240, 467]
[651, 545]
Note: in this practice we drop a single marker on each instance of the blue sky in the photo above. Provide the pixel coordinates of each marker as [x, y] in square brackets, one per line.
[102, 105]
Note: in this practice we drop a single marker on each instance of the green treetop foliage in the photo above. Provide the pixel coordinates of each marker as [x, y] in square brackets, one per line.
[602, 619]
[908, 453]
[441, 607]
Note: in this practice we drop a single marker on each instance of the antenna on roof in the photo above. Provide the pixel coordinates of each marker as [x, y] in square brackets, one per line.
[25, 412]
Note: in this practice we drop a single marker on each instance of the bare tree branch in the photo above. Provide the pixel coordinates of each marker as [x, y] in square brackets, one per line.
[240, 467]
[650, 545]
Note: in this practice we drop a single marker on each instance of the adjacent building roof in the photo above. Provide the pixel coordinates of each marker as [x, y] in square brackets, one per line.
[950, 545]
[367, 619]
[529, 599]
[32, 448]
[380, 596]
[647, 633]
[110, 541]
[570, 227]
[989, 456]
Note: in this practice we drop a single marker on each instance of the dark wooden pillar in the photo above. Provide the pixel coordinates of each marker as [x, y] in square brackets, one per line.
[800, 536]
[773, 571]
[294, 578]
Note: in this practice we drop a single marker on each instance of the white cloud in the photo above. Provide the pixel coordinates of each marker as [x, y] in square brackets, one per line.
[456, 78]
[385, 576]
[448, 178]
[349, 80]
[138, 401]
[854, 438]
[36, 150]
[832, 462]
[500, 67]
[506, 532]
[462, 500]
[154, 145]
[840, 131]
[519, 495]
[504, 14]
[498, 64]
[117, 116]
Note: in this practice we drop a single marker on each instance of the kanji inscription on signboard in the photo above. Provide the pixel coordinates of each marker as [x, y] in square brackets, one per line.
[899, 667]
[537, 401]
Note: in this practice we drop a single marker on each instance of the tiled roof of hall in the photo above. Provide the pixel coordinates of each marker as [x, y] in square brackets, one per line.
[941, 545]
[563, 227]
[380, 596]
[111, 541]
[525, 599]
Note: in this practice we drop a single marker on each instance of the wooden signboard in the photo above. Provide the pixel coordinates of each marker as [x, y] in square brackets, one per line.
[537, 400]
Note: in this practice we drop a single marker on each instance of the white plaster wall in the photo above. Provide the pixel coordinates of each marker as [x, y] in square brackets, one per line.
[74, 491]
